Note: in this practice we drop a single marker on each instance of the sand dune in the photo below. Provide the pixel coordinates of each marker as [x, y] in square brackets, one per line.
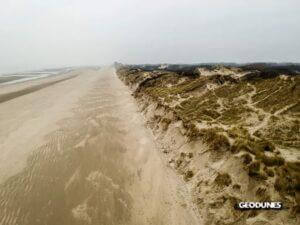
[232, 133]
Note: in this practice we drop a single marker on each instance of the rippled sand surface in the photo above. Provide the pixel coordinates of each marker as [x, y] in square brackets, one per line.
[86, 158]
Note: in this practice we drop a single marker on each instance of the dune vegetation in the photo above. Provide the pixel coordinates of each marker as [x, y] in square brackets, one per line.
[249, 112]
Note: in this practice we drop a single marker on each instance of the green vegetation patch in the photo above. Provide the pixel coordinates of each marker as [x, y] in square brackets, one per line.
[213, 137]
[275, 94]
[283, 132]
[234, 114]
[160, 88]
[198, 109]
[233, 91]
[223, 179]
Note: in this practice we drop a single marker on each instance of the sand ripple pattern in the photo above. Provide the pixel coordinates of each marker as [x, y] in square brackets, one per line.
[78, 176]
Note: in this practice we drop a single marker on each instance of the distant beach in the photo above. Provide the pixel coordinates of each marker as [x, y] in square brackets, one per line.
[13, 78]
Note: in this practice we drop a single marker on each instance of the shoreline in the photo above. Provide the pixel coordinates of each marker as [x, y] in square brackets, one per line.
[12, 95]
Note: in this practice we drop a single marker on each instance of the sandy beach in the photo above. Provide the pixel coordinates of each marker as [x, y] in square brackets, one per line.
[74, 150]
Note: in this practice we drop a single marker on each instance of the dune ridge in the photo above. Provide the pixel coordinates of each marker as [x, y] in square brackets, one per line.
[231, 132]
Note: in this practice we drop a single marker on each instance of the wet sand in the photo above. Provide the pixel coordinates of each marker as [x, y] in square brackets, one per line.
[77, 152]
[25, 91]
[8, 79]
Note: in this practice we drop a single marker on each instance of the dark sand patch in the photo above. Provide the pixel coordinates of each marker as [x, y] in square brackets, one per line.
[9, 78]
[16, 94]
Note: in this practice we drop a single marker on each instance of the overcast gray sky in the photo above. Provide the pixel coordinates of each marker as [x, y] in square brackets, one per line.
[48, 33]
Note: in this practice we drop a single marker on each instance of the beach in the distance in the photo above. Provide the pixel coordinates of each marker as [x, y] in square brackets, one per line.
[19, 77]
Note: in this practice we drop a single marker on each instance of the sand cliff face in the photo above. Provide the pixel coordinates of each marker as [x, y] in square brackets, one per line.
[233, 133]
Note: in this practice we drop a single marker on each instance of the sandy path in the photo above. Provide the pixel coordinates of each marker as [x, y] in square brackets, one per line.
[76, 152]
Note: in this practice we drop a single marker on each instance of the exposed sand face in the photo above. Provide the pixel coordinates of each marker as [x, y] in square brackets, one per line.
[77, 152]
